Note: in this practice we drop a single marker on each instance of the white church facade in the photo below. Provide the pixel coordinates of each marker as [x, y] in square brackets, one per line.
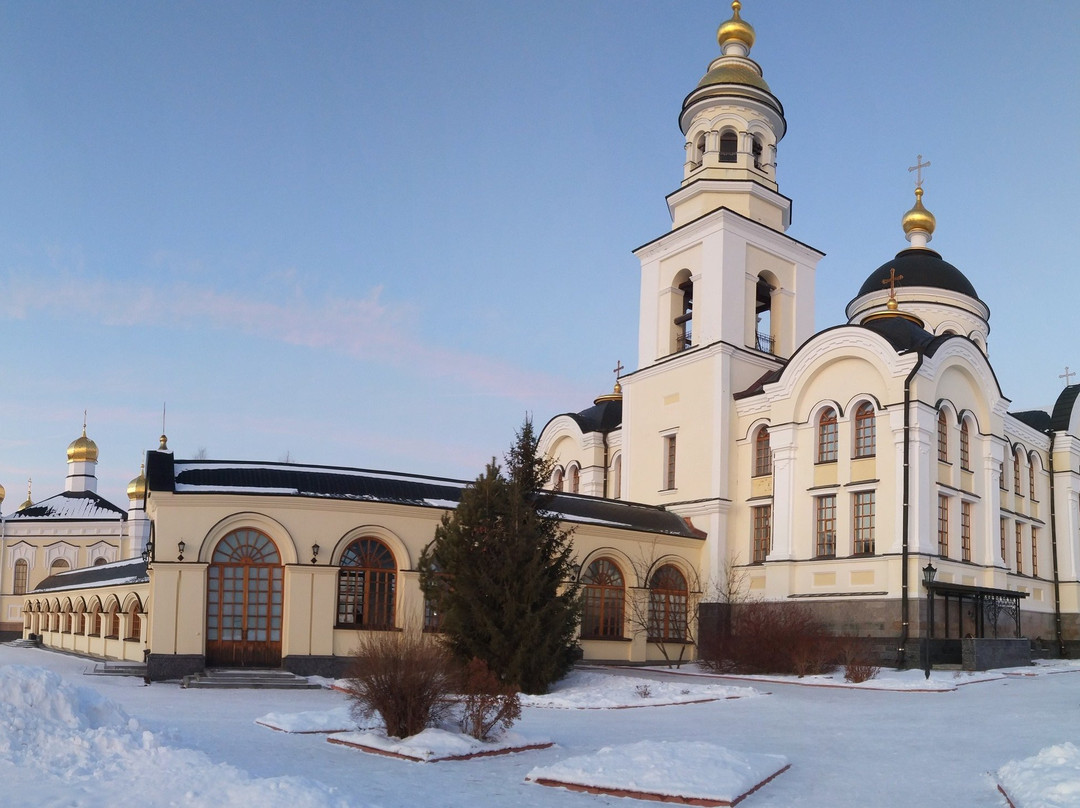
[824, 467]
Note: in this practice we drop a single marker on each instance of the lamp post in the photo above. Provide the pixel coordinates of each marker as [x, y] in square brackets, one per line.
[928, 574]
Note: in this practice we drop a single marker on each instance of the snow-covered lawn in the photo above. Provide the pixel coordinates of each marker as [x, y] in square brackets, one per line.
[69, 739]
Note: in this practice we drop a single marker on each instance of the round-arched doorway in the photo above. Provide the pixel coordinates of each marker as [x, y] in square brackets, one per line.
[244, 602]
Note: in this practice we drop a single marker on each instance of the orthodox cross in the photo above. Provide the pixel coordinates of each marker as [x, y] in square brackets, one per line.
[618, 369]
[1068, 374]
[918, 167]
[891, 282]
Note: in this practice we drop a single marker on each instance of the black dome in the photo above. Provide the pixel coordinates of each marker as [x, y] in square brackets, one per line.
[920, 267]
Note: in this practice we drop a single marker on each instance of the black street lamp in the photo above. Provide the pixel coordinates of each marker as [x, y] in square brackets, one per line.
[928, 574]
[314, 553]
[180, 550]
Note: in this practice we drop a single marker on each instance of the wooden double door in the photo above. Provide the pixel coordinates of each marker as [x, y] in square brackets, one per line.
[245, 602]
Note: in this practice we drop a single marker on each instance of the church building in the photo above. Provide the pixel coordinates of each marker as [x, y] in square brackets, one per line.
[871, 470]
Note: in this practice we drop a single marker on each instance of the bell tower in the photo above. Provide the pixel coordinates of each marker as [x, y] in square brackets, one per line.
[726, 295]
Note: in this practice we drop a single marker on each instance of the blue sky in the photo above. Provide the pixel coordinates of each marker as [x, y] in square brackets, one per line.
[377, 234]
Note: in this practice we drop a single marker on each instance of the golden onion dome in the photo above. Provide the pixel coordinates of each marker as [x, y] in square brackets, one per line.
[735, 29]
[919, 218]
[137, 488]
[3, 493]
[82, 450]
[29, 502]
[734, 74]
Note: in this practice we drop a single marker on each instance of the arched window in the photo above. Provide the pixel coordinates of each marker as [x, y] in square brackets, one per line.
[1031, 480]
[699, 150]
[756, 147]
[59, 565]
[762, 453]
[134, 622]
[865, 431]
[575, 479]
[616, 477]
[1017, 486]
[21, 571]
[668, 596]
[965, 446]
[729, 147]
[684, 331]
[557, 479]
[367, 584]
[942, 437]
[827, 436]
[99, 561]
[94, 629]
[763, 309]
[603, 596]
[80, 619]
[112, 621]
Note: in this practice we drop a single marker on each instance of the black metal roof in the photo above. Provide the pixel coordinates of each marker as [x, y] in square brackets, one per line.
[919, 267]
[603, 416]
[72, 505]
[905, 335]
[1063, 407]
[1036, 419]
[185, 477]
[128, 571]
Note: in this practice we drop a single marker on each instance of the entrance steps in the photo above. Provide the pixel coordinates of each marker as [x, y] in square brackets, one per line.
[249, 678]
[21, 643]
[119, 669]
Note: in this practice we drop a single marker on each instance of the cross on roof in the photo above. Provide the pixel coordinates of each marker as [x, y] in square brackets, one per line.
[918, 167]
[618, 369]
[891, 281]
[1068, 374]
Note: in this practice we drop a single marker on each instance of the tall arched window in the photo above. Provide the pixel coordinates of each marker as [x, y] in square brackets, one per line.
[763, 293]
[557, 479]
[1031, 480]
[134, 627]
[965, 446]
[756, 147]
[699, 150]
[762, 453]
[21, 571]
[865, 431]
[684, 321]
[616, 477]
[942, 437]
[367, 583]
[827, 436]
[603, 596]
[729, 147]
[668, 596]
[575, 479]
[1017, 474]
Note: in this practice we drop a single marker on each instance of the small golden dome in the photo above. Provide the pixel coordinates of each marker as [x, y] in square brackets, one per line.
[892, 305]
[3, 493]
[163, 444]
[735, 29]
[82, 449]
[919, 218]
[29, 502]
[137, 488]
[615, 395]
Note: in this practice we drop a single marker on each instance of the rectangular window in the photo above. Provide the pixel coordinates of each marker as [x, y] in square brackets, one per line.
[669, 462]
[1019, 547]
[943, 526]
[965, 531]
[21, 569]
[864, 523]
[1004, 543]
[762, 516]
[1035, 551]
[825, 520]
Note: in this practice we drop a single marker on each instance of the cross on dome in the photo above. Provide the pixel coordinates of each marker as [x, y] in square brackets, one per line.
[1067, 375]
[918, 167]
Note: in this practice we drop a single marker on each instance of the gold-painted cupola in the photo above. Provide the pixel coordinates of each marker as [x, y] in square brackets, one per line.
[732, 123]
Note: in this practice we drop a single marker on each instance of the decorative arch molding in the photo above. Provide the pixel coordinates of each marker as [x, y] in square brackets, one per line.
[385, 535]
[23, 551]
[132, 599]
[102, 549]
[277, 532]
[681, 564]
[859, 399]
[845, 342]
[755, 425]
[972, 419]
[62, 551]
[65, 606]
[946, 406]
[94, 604]
[555, 430]
[621, 560]
[112, 604]
[814, 413]
[961, 353]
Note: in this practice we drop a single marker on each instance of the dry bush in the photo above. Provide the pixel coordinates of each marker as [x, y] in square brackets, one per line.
[773, 637]
[486, 703]
[405, 678]
[857, 662]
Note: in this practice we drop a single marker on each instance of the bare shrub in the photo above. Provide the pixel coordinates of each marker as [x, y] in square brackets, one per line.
[773, 637]
[858, 665]
[486, 703]
[405, 678]
[643, 690]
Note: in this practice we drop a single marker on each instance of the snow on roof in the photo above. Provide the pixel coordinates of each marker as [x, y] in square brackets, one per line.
[72, 505]
[118, 573]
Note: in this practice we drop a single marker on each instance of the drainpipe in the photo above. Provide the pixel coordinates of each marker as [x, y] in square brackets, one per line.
[1053, 549]
[604, 491]
[905, 602]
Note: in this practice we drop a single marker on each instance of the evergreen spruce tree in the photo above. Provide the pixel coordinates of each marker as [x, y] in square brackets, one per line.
[500, 571]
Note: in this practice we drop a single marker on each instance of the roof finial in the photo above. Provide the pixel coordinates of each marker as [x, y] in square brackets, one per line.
[918, 223]
[84, 423]
[1067, 375]
[163, 445]
[736, 37]
[29, 502]
[890, 281]
[918, 167]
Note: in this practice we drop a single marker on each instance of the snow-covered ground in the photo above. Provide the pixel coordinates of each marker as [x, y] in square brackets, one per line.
[70, 739]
